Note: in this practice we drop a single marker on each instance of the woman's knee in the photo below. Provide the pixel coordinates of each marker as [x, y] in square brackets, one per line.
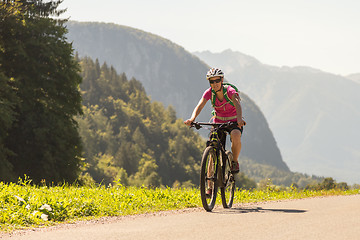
[235, 135]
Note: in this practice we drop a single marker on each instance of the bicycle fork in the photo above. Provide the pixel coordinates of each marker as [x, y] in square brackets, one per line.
[221, 183]
[212, 168]
[213, 172]
[224, 175]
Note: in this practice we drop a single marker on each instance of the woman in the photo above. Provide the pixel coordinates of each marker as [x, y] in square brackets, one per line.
[227, 108]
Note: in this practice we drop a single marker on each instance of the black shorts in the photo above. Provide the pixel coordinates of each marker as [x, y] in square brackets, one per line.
[222, 136]
[235, 126]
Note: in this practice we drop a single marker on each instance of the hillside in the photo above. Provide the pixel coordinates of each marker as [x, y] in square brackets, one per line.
[129, 139]
[313, 114]
[170, 75]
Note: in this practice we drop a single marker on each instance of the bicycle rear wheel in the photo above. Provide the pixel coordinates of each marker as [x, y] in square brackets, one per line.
[208, 179]
[228, 188]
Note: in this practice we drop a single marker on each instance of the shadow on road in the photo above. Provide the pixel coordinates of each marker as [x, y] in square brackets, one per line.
[256, 209]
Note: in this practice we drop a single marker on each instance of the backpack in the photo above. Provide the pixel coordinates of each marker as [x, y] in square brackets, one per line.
[225, 86]
[228, 100]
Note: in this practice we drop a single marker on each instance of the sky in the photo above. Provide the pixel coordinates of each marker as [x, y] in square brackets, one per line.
[322, 34]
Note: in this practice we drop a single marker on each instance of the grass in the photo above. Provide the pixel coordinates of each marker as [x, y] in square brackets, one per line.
[24, 205]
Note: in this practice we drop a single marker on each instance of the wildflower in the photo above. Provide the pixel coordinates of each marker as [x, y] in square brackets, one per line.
[46, 207]
[44, 217]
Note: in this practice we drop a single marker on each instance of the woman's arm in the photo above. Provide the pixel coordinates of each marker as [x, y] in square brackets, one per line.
[236, 100]
[196, 111]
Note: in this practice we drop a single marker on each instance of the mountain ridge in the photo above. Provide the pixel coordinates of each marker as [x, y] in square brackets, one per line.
[354, 77]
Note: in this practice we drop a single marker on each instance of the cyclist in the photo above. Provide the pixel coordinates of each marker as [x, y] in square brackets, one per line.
[224, 111]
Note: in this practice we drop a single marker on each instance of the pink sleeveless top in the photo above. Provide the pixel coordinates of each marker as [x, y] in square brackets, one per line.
[223, 108]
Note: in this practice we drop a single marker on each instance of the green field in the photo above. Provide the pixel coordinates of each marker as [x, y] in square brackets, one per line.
[24, 205]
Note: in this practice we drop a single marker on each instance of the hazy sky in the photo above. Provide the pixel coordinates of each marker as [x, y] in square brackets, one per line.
[323, 34]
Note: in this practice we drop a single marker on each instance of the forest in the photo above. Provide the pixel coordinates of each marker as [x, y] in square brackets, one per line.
[130, 139]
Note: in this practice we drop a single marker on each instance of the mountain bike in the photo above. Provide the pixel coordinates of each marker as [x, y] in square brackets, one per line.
[216, 167]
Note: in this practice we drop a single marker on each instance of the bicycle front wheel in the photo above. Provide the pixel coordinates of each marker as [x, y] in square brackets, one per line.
[228, 188]
[208, 184]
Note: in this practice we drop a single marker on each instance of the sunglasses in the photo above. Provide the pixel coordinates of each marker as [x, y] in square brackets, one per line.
[215, 81]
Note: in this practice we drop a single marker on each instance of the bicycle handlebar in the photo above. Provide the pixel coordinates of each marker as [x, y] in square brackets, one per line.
[199, 125]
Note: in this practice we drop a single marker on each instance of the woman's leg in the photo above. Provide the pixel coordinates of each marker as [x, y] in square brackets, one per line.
[235, 143]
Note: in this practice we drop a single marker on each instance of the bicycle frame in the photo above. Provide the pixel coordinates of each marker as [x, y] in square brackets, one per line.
[219, 146]
[215, 157]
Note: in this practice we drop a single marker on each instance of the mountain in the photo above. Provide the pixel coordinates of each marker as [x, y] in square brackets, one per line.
[355, 77]
[170, 75]
[314, 115]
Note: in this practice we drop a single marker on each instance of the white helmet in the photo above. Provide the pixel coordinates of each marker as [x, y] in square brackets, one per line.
[214, 72]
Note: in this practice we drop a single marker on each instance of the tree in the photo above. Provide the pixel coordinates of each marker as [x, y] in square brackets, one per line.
[328, 183]
[7, 99]
[35, 54]
[244, 182]
[147, 174]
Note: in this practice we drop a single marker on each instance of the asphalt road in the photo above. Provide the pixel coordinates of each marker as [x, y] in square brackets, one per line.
[313, 218]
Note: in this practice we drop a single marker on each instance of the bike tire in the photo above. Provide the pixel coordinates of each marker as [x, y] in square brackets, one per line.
[228, 187]
[208, 158]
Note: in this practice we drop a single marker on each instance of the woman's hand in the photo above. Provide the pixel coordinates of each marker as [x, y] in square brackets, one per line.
[188, 122]
[241, 122]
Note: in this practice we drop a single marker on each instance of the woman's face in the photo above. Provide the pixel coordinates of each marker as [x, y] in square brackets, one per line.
[216, 83]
